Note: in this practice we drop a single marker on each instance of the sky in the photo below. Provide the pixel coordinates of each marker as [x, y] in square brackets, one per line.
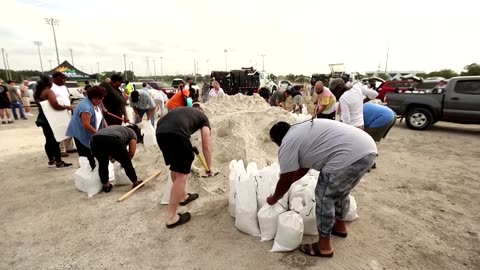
[299, 37]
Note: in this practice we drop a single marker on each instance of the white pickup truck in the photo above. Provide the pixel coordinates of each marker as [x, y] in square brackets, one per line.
[267, 82]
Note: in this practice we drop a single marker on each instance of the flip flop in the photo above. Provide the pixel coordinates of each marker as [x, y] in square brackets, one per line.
[339, 234]
[191, 197]
[183, 218]
[305, 248]
[108, 188]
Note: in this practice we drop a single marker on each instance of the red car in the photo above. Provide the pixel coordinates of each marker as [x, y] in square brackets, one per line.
[392, 86]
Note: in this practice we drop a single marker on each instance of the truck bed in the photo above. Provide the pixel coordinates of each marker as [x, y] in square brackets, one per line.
[399, 102]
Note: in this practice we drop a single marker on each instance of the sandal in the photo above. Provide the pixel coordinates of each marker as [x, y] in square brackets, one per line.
[108, 188]
[305, 248]
[182, 219]
[191, 197]
[339, 234]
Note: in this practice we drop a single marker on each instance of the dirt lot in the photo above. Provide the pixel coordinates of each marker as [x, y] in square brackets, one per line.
[418, 210]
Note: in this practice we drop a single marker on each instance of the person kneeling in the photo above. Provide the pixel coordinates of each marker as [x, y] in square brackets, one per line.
[111, 142]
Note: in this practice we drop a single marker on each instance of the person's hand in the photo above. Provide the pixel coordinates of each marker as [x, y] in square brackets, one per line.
[271, 200]
[139, 119]
[70, 108]
[126, 119]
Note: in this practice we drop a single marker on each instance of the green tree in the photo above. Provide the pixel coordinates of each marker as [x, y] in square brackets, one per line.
[471, 70]
[273, 77]
[291, 77]
[445, 73]
[384, 76]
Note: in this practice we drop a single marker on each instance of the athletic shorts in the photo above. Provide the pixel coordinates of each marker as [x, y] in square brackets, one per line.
[177, 152]
[379, 133]
[5, 104]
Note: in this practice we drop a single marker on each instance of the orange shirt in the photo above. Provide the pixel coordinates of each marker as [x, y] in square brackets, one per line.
[177, 99]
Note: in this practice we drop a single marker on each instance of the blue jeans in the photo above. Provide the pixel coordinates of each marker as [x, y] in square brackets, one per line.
[143, 112]
[19, 105]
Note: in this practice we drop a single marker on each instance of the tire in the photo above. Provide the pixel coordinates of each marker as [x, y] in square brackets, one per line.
[419, 119]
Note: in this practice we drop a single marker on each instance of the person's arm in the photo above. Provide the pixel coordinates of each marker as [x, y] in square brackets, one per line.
[151, 113]
[345, 110]
[205, 131]
[369, 93]
[132, 147]
[86, 117]
[125, 114]
[283, 185]
[52, 99]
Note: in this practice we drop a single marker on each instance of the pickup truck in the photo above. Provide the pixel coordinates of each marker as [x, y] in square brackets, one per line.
[458, 102]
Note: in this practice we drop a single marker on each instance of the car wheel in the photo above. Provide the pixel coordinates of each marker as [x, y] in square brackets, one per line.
[419, 119]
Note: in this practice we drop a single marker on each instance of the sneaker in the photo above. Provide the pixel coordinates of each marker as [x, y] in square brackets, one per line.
[52, 164]
[64, 154]
[72, 151]
[16, 118]
[10, 121]
[63, 165]
[24, 118]
[4, 122]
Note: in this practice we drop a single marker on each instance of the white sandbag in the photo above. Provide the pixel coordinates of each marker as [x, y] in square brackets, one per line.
[306, 209]
[275, 177]
[87, 180]
[121, 178]
[246, 207]
[352, 211]
[252, 168]
[289, 232]
[314, 173]
[167, 188]
[130, 114]
[237, 172]
[264, 186]
[268, 220]
[149, 137]
[304, 110]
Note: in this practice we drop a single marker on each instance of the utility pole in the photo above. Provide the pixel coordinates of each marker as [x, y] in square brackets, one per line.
[8, 68]
[386, 60]
[5, 64]
[161, 66]
[133, 74]
[263, 62]
[98, 70]
[154, 70]
[148, 67]
[53, 22]
[226, 66]
[194, 69]
[38, 43]
[125, 64]
[71, 55]
[50, 61]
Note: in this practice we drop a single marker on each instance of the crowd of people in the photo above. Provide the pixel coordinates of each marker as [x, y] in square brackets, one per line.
[343, 151]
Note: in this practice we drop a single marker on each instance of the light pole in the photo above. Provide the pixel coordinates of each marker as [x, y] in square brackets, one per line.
[161, 66]
[54, 22]
[98, 70]
[154, 70]
[38, 43]
[5, 64]
[386, 60]
[226, 66]
[8, 67]
[50, 61]
[263, 62]
[133, 74]
[125, 64]
[71, 55]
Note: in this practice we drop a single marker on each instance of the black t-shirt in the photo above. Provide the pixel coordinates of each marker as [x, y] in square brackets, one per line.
[114, 101]
[183, 121]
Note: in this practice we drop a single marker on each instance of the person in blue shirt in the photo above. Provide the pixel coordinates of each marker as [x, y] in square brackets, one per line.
[87, 119]
[378, 120]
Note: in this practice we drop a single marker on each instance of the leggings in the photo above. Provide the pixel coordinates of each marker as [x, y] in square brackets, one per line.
[104, 147]
[52, 147]
[84, 151]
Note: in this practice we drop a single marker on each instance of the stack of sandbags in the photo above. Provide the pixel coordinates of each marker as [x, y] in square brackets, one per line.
[289, 219]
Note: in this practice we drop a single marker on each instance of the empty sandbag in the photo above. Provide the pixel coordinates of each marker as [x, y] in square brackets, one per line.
[167, 188]
[268, 220]
[121, 178]
[149, 137]
[289, 232]
[246, 207]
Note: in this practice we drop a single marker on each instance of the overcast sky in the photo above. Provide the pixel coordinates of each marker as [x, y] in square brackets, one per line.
[300, 36]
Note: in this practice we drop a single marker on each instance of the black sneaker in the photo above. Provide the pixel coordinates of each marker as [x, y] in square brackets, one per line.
[64, 165]
[24, 118]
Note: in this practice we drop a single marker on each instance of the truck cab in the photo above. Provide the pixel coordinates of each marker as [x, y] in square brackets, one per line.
[267, 82]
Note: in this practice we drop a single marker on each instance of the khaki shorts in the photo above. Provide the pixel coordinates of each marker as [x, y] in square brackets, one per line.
[26, 101]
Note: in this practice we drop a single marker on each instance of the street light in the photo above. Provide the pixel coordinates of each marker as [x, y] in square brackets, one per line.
[98, 70]
[71, 55]
[54, 22]
[161, 66]
[125, 63]
[50, 61]
[154, 70]
[5, 64]
[263, 62]
[38, 44]
[226, 66]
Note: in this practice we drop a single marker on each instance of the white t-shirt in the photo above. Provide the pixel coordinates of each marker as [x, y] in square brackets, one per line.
[214, 93]
[323, 145]
[98, 117]
[351, 104]
[62, 94]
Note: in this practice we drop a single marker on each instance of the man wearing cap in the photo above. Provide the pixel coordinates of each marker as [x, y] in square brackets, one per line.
[142, 103]
[173, 137]
[114, 102]
[63, 98]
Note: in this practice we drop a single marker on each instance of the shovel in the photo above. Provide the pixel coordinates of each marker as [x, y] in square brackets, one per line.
[207, 170]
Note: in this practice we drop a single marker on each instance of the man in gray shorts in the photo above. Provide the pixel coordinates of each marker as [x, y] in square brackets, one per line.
[342, 154]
